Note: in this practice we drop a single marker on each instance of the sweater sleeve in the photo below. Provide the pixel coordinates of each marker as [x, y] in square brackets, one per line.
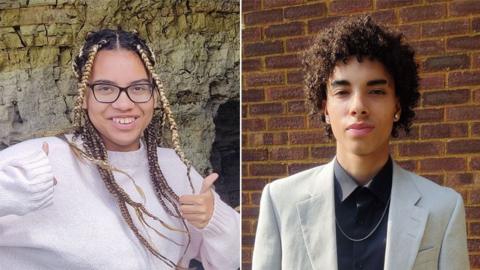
[220, 246]
[26, 183]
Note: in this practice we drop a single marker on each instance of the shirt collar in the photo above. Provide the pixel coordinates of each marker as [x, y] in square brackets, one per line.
[380, 184]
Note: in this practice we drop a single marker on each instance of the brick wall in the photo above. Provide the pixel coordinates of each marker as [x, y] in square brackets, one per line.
[279, 139]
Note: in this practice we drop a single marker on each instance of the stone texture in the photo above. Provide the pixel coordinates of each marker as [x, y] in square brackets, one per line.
[196, 44]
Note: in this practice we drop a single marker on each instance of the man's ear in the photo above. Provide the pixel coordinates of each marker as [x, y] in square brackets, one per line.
[325, 111]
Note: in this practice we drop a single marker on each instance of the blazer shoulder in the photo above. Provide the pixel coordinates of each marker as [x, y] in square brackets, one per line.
[431, 192]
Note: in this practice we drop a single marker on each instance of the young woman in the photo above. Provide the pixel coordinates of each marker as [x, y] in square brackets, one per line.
[106, 196]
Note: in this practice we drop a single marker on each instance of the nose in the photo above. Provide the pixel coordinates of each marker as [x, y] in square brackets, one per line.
[123, 102]
[358, 106]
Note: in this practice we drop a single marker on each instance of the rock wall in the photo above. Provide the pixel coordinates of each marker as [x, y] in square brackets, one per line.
[196, 44]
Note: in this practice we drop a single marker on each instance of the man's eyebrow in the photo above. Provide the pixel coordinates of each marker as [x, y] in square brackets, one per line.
[340, 82]
[376, 82]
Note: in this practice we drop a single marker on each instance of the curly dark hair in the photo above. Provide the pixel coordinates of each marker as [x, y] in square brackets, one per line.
[361, 37]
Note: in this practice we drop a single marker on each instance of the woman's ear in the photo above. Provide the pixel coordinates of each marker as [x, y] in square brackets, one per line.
[155, 98]
[325, 112]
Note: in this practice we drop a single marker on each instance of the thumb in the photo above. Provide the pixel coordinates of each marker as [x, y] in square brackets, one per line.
[45, 148]
[208, 182]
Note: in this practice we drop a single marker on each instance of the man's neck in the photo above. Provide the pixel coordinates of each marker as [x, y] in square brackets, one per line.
[362, 168]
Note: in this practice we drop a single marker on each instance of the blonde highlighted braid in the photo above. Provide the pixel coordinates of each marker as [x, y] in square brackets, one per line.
[95, 151]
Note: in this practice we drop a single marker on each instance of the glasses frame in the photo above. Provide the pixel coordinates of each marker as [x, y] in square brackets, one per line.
[121, 89]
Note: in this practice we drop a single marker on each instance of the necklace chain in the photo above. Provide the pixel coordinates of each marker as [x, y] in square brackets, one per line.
[370, 233]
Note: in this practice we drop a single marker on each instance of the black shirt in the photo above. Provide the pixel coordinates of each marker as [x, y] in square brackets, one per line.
[359, 210]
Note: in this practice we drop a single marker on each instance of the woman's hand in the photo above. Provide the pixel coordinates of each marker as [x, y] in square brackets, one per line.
[26, 184]
[198, 209]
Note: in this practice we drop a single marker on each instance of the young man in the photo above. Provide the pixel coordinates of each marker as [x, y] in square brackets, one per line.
[361, 210]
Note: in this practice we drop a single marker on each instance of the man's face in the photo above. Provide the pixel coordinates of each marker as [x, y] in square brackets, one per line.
[361, 105]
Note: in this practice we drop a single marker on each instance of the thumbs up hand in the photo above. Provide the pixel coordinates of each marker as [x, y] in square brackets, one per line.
[198, 209]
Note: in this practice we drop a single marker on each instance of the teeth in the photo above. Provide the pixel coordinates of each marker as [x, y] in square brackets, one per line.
[123, 121]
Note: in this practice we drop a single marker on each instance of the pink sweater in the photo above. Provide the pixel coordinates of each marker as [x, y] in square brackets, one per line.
[77, 224]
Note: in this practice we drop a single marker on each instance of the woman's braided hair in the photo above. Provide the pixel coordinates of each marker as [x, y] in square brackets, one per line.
[94, 147]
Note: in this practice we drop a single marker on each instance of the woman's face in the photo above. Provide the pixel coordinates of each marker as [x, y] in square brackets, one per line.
[122, 122]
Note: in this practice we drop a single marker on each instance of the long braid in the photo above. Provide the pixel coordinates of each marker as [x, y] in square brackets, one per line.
[96, 152]
[167, 112]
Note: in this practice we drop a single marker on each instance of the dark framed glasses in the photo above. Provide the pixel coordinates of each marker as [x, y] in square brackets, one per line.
[109, 93]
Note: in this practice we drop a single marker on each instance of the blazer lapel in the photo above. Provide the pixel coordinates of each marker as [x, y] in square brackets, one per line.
[406, 222]
[317, 219]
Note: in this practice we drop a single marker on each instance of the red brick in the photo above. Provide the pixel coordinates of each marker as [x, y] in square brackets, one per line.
[296, 107]
[298, 44]
[252, 34]
[446, 63]
[279, 3]
[251, 5]
[395, 3]
[459, 179]
[308, 137]
[253, 183]
[412, 135]
[285, 93]
[476, 96]
[262, 48]
[464, 43]
[295, 77]
[460, 78]
[324, 152]
[463, 146]
[434, 131]
[472, 212]
[348, 6]
[261, 139]
[476, 25]
[253, 124]
[255, 197]
[474, 228]
[384, 16]
[463, 113]
[443, 164]
[474, 196]
[272, 169]
[297, 153]
[408, 165]
[435, 98]
[305, 11]
[273, 108]
[445, 28]
[298, 167]
[432, 81]
[318, 25]
[261, 79]
[283, 61]
[422, 13]
[254, 154]
[251, 65]
[410, 31]
[421, 149]
[428, 115]
[428, 47]
[284, 30]
[245, 170]
[474, 261]
[473, 245]
[476, 129]
[253, 95]
[250, 211]
[462, 8]
[264, 16]
[475, 164]
[244, 110]
[286, 122]
[246, 265]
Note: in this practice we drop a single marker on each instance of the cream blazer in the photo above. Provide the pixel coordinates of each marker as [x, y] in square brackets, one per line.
[296, 225]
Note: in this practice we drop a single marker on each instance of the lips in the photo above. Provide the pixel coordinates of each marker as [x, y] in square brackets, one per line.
[360, 129]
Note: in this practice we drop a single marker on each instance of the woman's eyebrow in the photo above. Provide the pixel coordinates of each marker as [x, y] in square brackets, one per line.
[114, 83]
